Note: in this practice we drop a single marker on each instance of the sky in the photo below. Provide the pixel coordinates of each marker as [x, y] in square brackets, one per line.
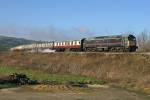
[72, 19]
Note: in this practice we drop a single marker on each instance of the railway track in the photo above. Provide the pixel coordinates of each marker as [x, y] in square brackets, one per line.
[107, 53]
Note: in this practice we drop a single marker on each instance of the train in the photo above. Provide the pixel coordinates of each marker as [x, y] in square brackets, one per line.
[113, 43]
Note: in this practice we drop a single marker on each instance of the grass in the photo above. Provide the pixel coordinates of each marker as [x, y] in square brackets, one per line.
[125, 70]
[3, 86]
[46, 77]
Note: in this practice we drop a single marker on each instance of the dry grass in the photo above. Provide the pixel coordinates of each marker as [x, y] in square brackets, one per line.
[126, 70]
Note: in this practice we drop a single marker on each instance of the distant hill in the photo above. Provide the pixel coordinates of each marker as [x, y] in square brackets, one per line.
[8, 42]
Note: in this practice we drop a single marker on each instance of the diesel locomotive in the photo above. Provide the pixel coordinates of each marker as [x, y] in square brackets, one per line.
[115, 43]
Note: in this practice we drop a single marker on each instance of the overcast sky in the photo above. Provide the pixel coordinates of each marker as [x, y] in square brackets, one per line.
[72, 19]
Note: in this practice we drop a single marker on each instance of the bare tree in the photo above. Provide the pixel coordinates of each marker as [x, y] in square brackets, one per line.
[144, 41]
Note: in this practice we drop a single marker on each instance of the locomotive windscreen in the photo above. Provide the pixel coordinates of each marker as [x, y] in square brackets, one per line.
[131, 37]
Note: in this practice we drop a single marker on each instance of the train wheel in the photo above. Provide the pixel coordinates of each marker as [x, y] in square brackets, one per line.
[113, 49]
[127, 49]
[120, 49]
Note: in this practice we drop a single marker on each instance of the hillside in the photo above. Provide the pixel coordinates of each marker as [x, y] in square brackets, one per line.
[7, 42]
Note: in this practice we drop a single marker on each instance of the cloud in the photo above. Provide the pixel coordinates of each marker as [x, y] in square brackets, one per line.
[84, 31]
[81, 29]
[45, 34]
[7, 31]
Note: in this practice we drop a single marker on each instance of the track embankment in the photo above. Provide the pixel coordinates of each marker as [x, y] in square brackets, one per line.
[127, 70]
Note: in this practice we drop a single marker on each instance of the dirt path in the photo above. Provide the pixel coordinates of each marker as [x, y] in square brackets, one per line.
[98, 94]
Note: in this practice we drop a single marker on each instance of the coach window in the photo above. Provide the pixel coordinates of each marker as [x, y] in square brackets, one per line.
[75, 42]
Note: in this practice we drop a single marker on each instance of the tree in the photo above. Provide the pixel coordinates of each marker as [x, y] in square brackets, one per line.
[144, 41]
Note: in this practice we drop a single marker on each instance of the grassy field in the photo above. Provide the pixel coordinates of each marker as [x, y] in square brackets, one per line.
[123, 70]
[46, 77]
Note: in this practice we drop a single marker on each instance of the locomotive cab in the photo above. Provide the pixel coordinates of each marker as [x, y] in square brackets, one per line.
[132, 43]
